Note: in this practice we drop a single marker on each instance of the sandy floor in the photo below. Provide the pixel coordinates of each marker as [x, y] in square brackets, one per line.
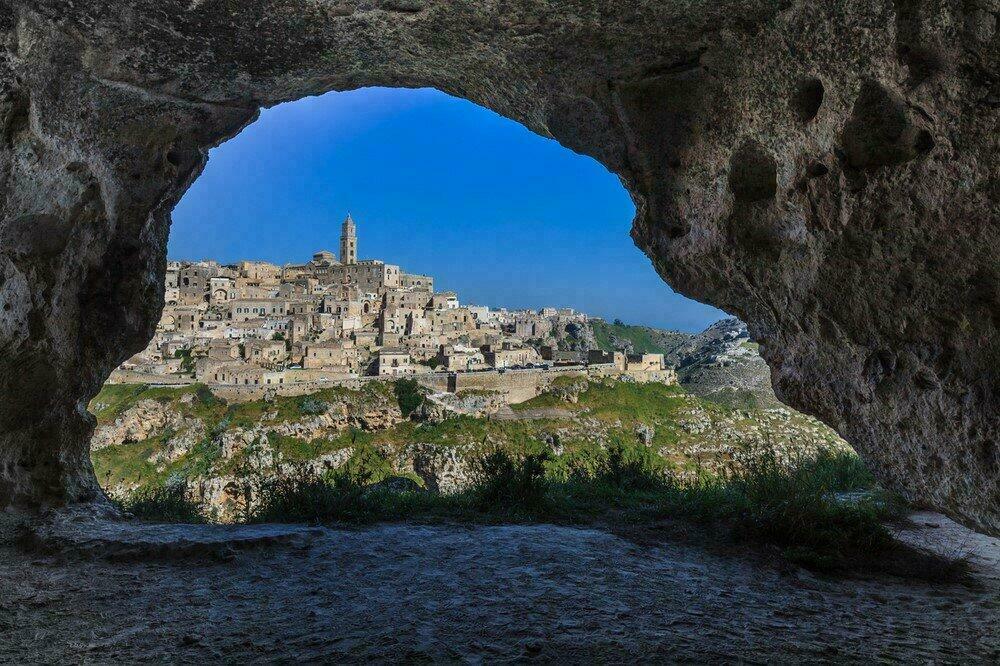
[482, 594]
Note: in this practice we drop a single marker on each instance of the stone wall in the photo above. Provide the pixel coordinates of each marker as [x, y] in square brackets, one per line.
[132, 377]
[516, 385]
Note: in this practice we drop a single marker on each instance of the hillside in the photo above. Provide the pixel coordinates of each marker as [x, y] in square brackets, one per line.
[720, 364]
[149, 437]
[636, 339]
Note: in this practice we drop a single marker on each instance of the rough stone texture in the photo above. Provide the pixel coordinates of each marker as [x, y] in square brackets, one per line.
[824, 170]
[474, 594]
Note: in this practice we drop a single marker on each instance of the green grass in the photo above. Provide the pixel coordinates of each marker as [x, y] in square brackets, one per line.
[756, 499]
[115, 399]
[126, 464]
[618, 407]
[602, 473]
[792, 505]
[644, 339]
[164, 504]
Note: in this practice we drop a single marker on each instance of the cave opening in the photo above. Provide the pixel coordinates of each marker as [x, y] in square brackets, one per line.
[444, 197]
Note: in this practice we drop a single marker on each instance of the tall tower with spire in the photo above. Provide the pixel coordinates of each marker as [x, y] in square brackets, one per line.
[348, 241]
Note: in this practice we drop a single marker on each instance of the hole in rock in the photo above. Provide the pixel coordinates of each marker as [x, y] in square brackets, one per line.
[807, 98]
[384, 288]
[882, 131]
[752, 173]
[817, 170]
[924, 142]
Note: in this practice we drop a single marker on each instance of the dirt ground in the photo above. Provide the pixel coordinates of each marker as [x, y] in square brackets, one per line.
[405, 593]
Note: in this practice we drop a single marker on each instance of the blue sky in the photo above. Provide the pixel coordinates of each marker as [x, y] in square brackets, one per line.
[437, 185]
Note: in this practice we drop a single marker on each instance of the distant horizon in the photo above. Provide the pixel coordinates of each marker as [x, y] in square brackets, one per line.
[438, 186]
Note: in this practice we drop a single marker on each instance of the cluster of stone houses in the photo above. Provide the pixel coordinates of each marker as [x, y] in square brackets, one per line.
[257, 323]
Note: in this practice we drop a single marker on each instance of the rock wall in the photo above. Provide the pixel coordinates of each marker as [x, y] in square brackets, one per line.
[825, 171]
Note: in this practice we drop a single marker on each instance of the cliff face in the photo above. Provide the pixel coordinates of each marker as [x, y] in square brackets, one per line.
[824, 171]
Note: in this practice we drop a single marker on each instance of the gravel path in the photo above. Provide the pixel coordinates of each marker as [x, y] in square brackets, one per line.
[482, 594]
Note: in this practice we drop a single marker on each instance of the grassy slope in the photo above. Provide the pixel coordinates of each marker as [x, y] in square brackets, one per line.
[129, 463]
[755, 499]
[605, 412]
[644, 340]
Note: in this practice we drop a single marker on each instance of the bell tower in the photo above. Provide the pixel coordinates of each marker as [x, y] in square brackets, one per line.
[348, 242]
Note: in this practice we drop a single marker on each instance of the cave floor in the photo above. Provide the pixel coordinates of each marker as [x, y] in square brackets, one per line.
[483, 594]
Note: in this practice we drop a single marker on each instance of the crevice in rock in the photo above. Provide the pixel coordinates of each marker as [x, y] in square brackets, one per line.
[402, 6]
[807, 98]
[753, 173]
[17, 118]
[922, 59]
[882, 130]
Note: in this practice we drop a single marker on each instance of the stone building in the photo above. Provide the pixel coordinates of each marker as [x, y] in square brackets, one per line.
[265, 353]
[508, 355]
[194, 282]
[394, 362]
[411, 281]
[457, 358]
[340, 355]
[255, 323]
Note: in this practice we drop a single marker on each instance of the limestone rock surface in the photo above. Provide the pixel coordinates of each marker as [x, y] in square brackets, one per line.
[826, 171]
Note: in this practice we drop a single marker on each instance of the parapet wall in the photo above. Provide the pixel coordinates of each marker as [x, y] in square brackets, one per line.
[516, 385]
[132, 377]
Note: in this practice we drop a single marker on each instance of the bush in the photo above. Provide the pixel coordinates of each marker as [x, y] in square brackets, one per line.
[505, 484]
[794, 506]
[367, 465]
[627, 468]
[187, 360]
[311, 407]
[206, 397]
[167, 503]
[409, 395]
[302, 496]
[837, 471]
[305, 497]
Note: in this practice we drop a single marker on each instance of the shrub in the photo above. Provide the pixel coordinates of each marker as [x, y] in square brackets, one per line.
[837, 471]
[794, 506]
[166, 503]
[505, 484]
[202, 456]
[187, 360]
[627, 468]
[409, 395]
[305, 497]
[367, 465]
[206, 397]
[311, 407]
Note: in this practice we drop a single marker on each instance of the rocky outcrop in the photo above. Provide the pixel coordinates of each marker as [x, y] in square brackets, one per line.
[722, 364]
[570, 390]
[438, 407]
[145, 419]
[825, 171]
[444, 469]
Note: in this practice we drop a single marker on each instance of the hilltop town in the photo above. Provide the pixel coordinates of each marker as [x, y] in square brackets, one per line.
[253, 328]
